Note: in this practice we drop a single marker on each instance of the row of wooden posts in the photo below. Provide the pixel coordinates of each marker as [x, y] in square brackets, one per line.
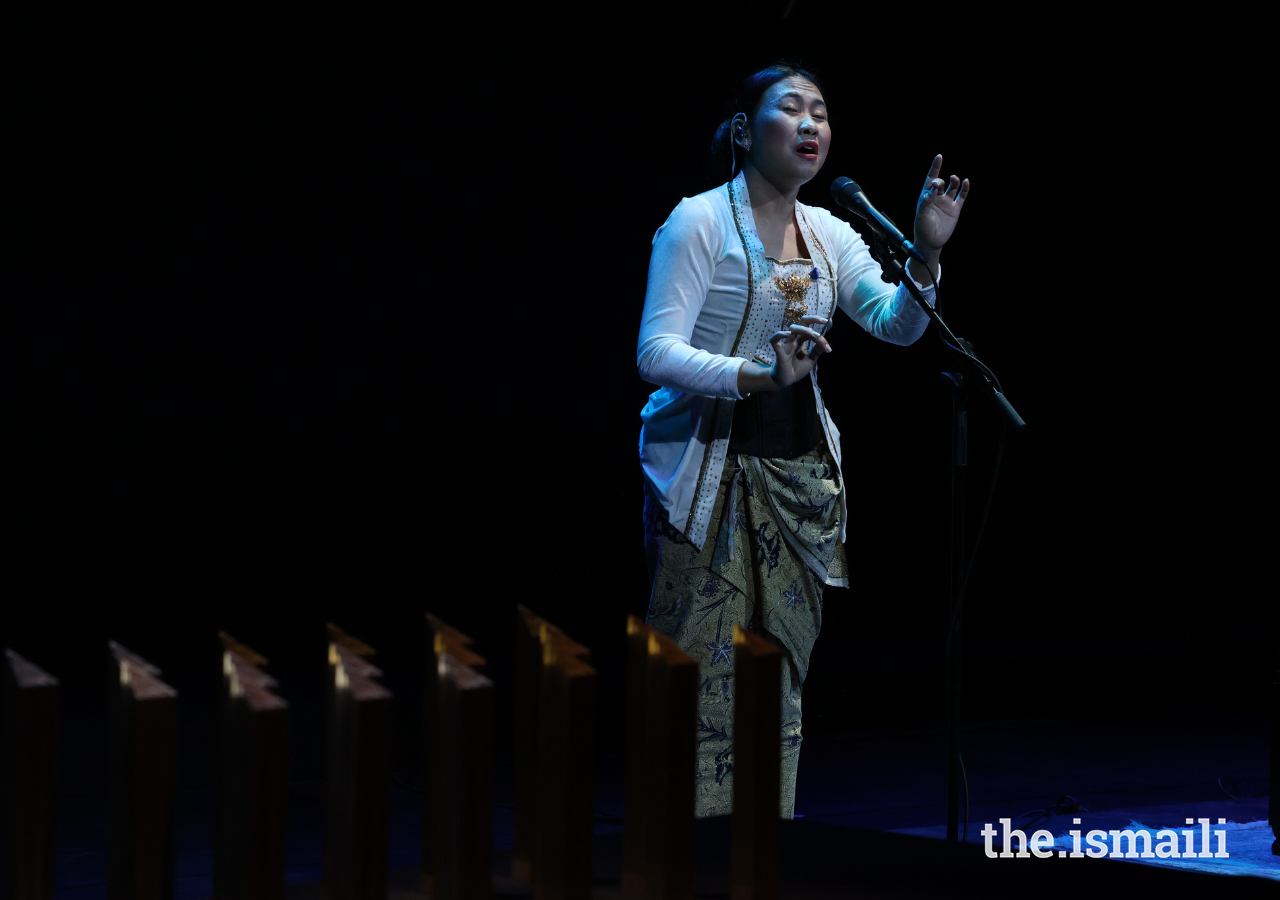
[554, 770]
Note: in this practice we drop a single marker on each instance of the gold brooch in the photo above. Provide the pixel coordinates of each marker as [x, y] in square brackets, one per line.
[794, 288]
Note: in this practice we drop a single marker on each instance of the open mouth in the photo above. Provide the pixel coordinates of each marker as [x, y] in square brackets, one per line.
[808, 149]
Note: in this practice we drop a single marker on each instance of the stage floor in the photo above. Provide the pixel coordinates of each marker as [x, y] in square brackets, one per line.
[872, 806]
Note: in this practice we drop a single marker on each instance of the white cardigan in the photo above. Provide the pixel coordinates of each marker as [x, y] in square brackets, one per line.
[710, 305]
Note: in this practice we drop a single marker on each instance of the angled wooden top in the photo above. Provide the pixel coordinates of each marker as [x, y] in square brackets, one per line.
[465, 677]
[246, 679]
[447, 639]
[350, 643]
[546, 632]
[448, 632]
[567, 654]
[142, 678]
[28, 675]
[462, 654]
[354, 673]
[250, 656]
[753, 643]
[661, 646]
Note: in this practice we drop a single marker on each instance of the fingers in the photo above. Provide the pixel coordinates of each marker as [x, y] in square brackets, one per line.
[953, 189]
[793, 362]
[799, 334]
[808, 334]
[786, 346]
[819, 343]
[779, 341]
[934, 169]
[813, 320]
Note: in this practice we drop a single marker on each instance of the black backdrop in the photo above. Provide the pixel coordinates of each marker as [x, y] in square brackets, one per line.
[331, 317]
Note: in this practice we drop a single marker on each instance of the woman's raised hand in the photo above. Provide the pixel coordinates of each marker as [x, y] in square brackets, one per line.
[938, 208]
[793, 362]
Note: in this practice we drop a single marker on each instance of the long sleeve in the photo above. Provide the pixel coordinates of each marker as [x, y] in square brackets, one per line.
[886, 311]
[681, 270]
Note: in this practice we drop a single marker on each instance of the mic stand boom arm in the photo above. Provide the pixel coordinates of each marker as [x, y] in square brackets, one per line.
[979, 374]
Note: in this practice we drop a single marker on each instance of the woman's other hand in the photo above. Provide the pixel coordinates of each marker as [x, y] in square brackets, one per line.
[793, 361]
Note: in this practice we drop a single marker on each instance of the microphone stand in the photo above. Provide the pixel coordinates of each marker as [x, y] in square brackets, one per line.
[973, 374]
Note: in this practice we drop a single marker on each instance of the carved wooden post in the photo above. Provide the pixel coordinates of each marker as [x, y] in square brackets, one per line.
[662, 703]
[357, 774]
[566, 769]
[29, 760]
[464, 826]
[525, 763]
[672, 744]
[636, 787]
[143, 778]
[467, 724]
[253, 769]
[531, 632]
[757, 767]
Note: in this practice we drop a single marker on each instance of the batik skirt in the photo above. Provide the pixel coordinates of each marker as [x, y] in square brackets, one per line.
[773, 543]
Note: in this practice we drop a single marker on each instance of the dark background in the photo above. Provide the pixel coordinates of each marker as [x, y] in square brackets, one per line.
[331, 317]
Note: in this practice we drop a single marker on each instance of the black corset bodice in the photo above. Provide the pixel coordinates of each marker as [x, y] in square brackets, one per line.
[780, 424]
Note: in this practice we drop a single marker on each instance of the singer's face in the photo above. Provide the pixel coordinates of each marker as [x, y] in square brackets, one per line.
[790, 135]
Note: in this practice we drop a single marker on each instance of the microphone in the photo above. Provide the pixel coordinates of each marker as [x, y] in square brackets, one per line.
[849, 194]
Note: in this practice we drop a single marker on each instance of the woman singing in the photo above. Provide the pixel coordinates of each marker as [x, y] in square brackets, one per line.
[745, 509]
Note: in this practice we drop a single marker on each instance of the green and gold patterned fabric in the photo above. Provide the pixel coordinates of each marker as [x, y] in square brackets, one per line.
[772, 545]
